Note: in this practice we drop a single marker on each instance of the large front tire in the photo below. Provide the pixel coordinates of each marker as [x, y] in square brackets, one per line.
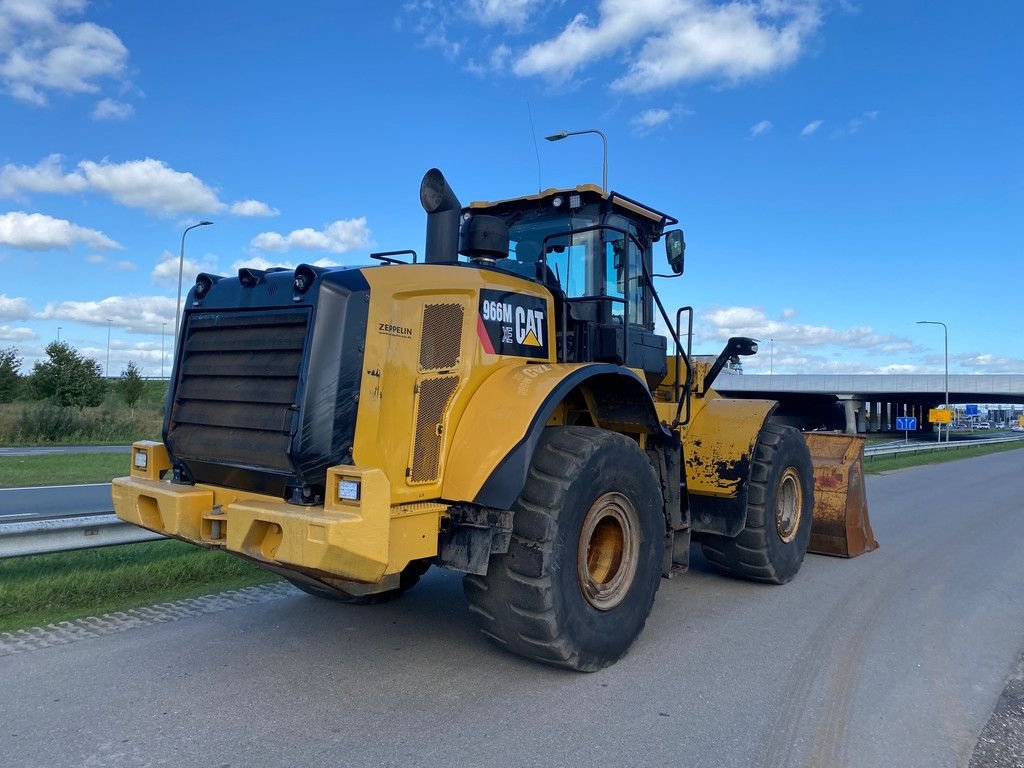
[780, 502]
[579, 578]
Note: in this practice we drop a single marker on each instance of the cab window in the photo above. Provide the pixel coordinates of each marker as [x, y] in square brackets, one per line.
[622, 276]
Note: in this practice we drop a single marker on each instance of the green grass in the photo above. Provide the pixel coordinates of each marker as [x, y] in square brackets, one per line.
[35, 591]
[874, 465]
[62, 469]
[29, 422]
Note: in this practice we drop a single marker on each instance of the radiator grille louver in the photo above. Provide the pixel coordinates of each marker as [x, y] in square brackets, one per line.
[235, 401]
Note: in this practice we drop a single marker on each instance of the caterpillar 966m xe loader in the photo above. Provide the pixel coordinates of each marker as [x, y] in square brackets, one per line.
[504, 408]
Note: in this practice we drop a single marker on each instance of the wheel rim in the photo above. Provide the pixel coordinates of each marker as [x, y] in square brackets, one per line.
[788, 505]
[608, 551]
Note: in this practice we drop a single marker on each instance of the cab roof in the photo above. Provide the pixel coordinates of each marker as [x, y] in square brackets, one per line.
[590, 193]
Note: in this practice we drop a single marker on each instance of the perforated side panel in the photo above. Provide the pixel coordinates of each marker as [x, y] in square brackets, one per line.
[431, 402]
[441, 339]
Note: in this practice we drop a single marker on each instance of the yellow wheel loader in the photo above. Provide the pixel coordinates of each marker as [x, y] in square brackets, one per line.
[504, 408]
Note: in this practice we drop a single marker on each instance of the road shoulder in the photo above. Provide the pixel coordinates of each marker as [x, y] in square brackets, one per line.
[1001, 743]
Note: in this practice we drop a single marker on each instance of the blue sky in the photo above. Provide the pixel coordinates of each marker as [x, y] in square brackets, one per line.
[842, 168]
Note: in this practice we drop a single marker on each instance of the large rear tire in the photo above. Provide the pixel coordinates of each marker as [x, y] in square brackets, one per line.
[409, 578]
[584, 564]
[780, 503]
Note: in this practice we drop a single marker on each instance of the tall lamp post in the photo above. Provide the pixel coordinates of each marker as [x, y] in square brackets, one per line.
[181, 267]
[163, 328]
[945, 339]
[604, 140]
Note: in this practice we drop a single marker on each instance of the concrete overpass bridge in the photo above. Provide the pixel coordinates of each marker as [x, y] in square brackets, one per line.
[869, 402]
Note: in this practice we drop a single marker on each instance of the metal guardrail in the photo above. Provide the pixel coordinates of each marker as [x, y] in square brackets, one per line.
[39, 535]
[890, 450]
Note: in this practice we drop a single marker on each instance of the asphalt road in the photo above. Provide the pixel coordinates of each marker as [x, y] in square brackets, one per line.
[55, 500]
[895, 658]
[52, 449]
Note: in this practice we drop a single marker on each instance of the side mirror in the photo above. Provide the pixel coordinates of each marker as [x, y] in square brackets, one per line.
[675, 250]
[735, 348]
[742, 346]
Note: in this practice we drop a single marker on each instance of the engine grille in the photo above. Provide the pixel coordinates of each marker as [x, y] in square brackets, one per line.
[441, 339]
[236, 396]
[432, 399]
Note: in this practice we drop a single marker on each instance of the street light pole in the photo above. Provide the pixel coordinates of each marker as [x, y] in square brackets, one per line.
[163, 328]
[106, 371]
[945, 339]
[181, 267]
[604, 140]
[58, 333]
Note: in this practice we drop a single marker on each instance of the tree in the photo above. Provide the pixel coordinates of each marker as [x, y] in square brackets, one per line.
[10, 379]
[131, 385]
[67, 378]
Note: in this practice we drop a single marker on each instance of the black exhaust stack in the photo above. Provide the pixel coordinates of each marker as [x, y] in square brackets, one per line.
[443, 211]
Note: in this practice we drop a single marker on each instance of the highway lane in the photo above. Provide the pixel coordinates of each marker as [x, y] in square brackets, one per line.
[55, 500]
[891, 659]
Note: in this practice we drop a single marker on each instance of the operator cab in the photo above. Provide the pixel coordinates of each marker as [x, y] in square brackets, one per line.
[593, 251]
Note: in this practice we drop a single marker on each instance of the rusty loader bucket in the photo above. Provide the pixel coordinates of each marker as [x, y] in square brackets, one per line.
[841, 525]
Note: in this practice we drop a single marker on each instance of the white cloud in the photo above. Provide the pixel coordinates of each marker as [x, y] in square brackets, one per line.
[39, 232]
[14, 308]
[513, 13]
[166, 270]
[438, 38]
[677, 40]
[811, 127]
[654, 118]
[110, 109]
[124, 265]
[338, 237]
[149, 184]
[789, 313]
[983, 362]
[761, 128]
[855, 124]
[253, 208]
[42, 52]
[46, 176]
[9, 333]
[259, 262]
[720, 323]
[497, 61]
[135, 314]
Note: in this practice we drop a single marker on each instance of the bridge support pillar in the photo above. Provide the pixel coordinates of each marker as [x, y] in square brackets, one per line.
[854, 409]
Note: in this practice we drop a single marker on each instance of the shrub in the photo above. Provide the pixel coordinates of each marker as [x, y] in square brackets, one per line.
[131, 386]
[67, 378]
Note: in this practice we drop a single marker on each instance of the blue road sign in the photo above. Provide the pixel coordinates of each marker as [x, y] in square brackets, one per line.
[971, 410]
[906, 423]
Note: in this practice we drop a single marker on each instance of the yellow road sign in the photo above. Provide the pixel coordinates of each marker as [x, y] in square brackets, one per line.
[939, 416]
